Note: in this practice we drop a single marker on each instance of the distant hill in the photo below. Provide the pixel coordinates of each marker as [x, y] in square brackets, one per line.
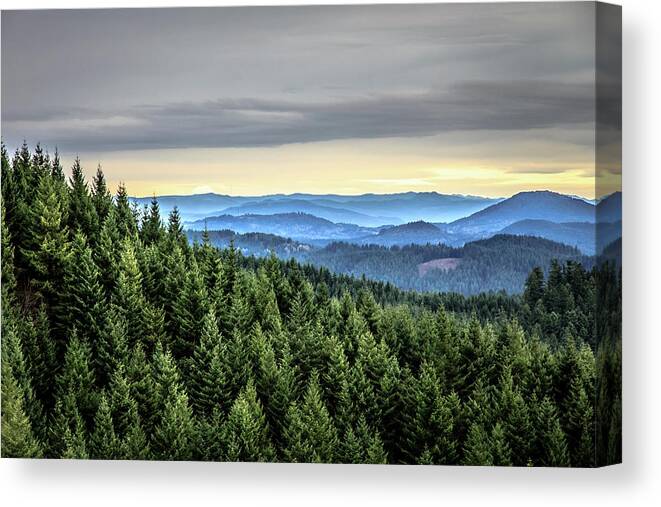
[609, 209]
[411, 206]
[364, 210]
[587, 237]
[334, 213]
[252, 243]
[419, 233]
[539, 205]
[499, 263]
[299, 226]
[612, 253]
[192, 207]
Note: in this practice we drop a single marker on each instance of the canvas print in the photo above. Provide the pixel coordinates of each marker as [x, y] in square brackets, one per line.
[368, 234]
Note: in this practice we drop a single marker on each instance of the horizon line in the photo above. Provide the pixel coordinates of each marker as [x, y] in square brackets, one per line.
[284, 194]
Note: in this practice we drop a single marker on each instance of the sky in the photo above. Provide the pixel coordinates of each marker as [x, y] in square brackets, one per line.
[481, 99]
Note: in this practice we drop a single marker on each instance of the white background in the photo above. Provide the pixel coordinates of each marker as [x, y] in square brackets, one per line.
[636, 482]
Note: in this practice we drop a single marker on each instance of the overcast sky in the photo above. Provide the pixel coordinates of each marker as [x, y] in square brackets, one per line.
[482, 99]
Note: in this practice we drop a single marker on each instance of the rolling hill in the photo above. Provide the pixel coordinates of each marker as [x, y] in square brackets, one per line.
[271, 206]
[609, 209]
[252, 243]
[419, 233]
[299, 226]
[539, 205]
[499, 263]
[589, 238]
[364, 210]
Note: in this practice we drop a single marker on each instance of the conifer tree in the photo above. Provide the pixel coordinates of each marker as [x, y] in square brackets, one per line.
[176, 234]
[500, 449]
[18, 439]
[245, 434]
[82, 215]
[101, 198]
[189, 311]
[21, 370]
[552, 443]
[48, 252]
[75, 443]
[86, 302]
[477, 449]
[103, 441]
[152, 228]
[126, 222]
[135, 445]
[56, 171]
[310, 434]
[209, 385]
[78, 379]
[175, 435]
[127, 298]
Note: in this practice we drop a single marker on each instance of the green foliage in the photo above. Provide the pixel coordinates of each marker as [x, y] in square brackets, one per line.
[245, 435]
[121, 341]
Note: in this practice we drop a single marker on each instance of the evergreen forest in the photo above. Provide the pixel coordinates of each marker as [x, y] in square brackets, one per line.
[121, 339]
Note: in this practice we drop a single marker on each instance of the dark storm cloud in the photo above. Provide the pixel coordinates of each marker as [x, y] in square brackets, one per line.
[257, 122]
[233, 77]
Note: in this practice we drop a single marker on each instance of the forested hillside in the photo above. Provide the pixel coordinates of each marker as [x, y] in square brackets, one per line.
[120, 340]
[500, 263]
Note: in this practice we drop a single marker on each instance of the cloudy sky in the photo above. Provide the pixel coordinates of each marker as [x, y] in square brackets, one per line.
[475, 99]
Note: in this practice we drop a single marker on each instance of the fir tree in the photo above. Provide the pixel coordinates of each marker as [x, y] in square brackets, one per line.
[152, 228]
[245, 435]
[311, 436]
[103, 441]
[18, 439]
[82, 215]
[101, 197]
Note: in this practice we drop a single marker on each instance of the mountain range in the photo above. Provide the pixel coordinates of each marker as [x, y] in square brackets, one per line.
[368, 210]
[561, 218]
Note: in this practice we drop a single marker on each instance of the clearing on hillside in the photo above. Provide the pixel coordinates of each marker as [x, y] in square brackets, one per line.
[445, 264]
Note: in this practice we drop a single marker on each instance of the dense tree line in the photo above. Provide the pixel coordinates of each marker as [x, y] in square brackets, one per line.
[499, 263]
[120, 340]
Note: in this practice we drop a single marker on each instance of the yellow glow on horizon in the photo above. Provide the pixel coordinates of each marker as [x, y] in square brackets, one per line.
[355, 167]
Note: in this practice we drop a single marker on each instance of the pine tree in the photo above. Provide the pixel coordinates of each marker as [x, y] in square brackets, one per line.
[442, 443]
[135, 445]
[101, 197]
[86, 299]
[56, 171]
[176, 234]
[500, 449]
[175, 435]
[127, 299]
[552, 444]
[22, 372]
[189, 311]
[82, 215]
[48, 253]
[209, 387]
[578, 427]
[534, 287]
[106, 253]
[152, 228]
[245, 434]
[78, 379]
[477, 449]
[371, 443]
[311, 436]
[124, 215]
[112, 348]
[8, 285]
[18, 439]
[103, 441]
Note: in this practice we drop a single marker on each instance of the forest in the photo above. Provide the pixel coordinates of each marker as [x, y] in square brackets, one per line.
[122, 340]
